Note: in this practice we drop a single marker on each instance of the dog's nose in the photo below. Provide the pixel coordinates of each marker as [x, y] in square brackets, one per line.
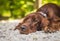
[23, 28]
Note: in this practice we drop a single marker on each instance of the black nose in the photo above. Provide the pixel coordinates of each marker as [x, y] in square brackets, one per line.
[23, 28]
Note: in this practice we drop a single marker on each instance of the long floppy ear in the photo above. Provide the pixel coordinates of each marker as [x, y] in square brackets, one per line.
[44, 22]
[18, 26]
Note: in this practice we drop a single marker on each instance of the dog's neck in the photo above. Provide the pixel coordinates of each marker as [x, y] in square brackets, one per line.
[43, 14]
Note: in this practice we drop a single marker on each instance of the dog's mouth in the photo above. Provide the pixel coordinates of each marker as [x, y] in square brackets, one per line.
[24, 32]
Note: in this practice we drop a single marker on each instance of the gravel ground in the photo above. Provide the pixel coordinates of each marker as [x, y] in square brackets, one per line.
[8, 34]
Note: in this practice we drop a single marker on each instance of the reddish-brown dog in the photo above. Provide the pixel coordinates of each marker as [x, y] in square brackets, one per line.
[47, 18]
[32, 23]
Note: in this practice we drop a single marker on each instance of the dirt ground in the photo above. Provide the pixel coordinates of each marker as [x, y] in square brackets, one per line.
[8, 34]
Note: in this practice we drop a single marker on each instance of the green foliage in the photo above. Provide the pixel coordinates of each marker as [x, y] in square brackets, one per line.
[19, 8]
[51, 1]
[16, 8]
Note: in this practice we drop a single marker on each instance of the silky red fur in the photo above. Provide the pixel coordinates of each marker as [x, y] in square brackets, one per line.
[37, 22]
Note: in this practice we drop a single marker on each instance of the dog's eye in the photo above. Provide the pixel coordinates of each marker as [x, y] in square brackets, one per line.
[35, 20]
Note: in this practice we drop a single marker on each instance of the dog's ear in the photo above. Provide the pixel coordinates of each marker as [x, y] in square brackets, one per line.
[45, 22]
[18, 26]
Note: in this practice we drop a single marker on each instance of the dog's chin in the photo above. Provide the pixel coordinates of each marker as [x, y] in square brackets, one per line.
[24, 33]
[27, 32]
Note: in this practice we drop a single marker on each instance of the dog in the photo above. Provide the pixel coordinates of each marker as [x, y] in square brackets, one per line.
[46, 18]
[32, 23]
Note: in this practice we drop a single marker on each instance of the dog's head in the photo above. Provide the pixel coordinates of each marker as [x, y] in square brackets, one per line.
[32, 23]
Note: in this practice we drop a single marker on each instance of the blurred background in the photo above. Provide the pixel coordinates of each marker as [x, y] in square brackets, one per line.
[17, 9]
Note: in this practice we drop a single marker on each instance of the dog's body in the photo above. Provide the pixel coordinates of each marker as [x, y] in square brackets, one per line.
[51, 10]
[53, 26]
[37, 21]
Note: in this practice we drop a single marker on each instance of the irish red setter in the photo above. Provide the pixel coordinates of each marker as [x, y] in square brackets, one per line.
[47, 18]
